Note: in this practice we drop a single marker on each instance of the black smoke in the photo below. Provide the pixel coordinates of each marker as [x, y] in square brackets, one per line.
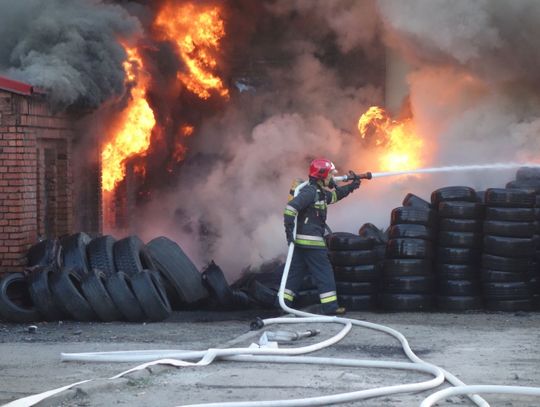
[70, 48]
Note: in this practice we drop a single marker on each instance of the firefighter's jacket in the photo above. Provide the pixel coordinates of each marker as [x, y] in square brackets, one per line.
[310, 205]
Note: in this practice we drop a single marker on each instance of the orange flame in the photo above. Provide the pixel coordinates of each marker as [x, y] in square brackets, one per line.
[401, 146]
[133, 134]
[196, 32]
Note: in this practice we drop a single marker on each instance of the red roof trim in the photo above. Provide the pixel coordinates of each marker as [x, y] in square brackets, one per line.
[17, 87]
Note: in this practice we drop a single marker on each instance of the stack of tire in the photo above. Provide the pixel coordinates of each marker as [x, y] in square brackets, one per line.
[354, 261]
[457, 264]
[407, 283]
[528, 178]
[509, 249]
[100, 279]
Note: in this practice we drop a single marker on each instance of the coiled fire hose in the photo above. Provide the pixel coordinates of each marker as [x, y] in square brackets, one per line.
[289, 355]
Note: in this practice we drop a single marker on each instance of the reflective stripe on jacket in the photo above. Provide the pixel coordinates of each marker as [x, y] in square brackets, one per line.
[310, 206]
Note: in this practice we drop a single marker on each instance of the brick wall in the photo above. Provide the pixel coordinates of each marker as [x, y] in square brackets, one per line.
[35, 176]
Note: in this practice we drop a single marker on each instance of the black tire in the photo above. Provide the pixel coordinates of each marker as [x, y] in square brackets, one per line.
[457, 255]
[461, 210]
[178, 269]
[508, 246]
[217, 285]
[42, 296]
[518, 290]
[94, 288]
[74, 253]
[358, 302]
[131, 256]
[460, 239]
[509, 198]
[121, 292]
[415, 201]
[370, 231]
[510, 214]
[380, 252]
[456, 271]
[459, 303]
[367, 272]
[150, 293]
[67, 290]
[348, 241]
[101, 255]
[413, 215]
[509, 229]
[460, 225]
[457, 193]
[412, 231]
[406, 267]
[495, 276]
[406, 302]
[15, 301]
[409, 248]
[530, 186]
[509, 305]
[352, 257]
[356, 288]
[408, 284]
[468, 288]
[509, 264]
[528, 173]
[47, 253]
[264, 296]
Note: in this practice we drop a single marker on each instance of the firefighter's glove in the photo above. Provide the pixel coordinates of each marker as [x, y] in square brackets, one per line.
[289, 232]
[355, 184]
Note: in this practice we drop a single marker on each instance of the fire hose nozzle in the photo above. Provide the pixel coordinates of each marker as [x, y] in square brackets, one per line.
[351, 176]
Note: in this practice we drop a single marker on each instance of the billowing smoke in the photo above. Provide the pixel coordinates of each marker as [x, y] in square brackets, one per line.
[471, 82]
[68, 47]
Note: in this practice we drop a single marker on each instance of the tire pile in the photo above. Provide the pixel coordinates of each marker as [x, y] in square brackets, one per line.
[100, 279]
[459, 247]
[529, 179]
[509, 249]
[356, 270]
[408, 279]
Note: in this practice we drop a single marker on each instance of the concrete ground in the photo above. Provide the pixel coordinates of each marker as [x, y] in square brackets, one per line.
[479, 348]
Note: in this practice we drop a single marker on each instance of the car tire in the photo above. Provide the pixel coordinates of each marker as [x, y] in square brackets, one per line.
[94, 288]
[15, 300]
[415, 201]
[131, 256]
[120, 290]
[178, 269]
[150, 293]
[409, 248]
[413, 215]
[74, 253]
[101, 255]
[453, 193]
[348, 241]
[67, 290]
[411, 231]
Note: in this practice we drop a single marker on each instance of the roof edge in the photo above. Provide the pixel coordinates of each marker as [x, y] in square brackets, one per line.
[20, 88]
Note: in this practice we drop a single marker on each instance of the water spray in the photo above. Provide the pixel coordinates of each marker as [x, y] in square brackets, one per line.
[453, 168]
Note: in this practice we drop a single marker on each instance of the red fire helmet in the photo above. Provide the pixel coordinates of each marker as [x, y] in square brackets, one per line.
[320, 168]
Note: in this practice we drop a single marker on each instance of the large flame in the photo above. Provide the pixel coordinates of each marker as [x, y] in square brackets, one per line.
[399, 146]
[196, 31]
[132, 135]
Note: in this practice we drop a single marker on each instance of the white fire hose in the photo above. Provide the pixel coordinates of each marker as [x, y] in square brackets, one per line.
[289, 355]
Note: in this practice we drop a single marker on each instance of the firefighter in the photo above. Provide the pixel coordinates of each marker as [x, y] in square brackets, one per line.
[310, 253]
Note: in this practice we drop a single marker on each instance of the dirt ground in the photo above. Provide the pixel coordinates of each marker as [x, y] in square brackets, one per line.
[480, 348]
